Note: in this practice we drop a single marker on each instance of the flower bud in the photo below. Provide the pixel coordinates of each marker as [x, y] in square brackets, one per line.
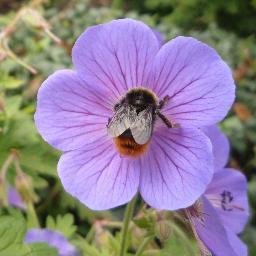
[24, 186]
[34, 19]
[163, 230]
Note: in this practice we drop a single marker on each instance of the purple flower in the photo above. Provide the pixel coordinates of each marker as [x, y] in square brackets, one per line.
[211, 234]
[187, 78]
[223, 210]
[220, 146]
[52, 238]
[15, 199]
[227, 193]
[159, 37]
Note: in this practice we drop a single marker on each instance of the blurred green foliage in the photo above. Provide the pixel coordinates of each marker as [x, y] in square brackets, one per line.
[12, 230]
[227, 26]
[234, 15]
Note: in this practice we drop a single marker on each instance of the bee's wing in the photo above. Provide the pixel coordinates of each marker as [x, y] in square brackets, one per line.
[122, 120]
[142, 128]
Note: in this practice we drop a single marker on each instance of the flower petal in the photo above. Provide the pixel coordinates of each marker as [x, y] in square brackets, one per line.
[177, 168]
[212, 233]
[116, 55]
[159, 36]
[220, 146]
[15, 199]
[234, 214]
[199, 83]
[52, 238]
[98, 176]
[238, 245]
[69, 113]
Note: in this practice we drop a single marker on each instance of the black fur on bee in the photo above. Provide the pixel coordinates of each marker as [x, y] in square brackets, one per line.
[135, 114]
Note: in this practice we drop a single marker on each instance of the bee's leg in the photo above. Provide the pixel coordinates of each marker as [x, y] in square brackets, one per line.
[117, 106]
[109, 119]
[165, 120]
[164, 101]
[168, 123]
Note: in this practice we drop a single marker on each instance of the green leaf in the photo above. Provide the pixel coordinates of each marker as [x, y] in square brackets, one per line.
[50, 223]
[12, 105]
[114, 244]
[12, 231]
[179, 243]
[40, 158]
[15, 249]
[90, 250]
[41, 249]
[63, 224]
[20, 132]
[176, 246]
[9, 82]
[39, 182]
[35, 249]
[143, 222]
[15, 212]
[86, 248]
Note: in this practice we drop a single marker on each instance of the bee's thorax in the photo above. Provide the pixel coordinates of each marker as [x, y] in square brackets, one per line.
[140, 98]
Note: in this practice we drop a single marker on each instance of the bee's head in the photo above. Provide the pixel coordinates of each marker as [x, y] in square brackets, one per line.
[140, 97]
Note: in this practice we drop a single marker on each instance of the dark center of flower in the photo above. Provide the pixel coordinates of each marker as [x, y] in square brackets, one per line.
[133, 121]
[227, 202]
[226, 199]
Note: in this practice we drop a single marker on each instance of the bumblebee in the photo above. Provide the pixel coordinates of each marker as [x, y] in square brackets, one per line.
[132, 123]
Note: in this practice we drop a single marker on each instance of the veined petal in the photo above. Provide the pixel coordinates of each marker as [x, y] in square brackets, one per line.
[71, 114]
[98, 176]
[228, 193]
[52, 238]
[199, 83]
[238, 245]
[15, 199]
[220, 146]
[116, 55]
[177, 168]
[212, 232]
[159, 36]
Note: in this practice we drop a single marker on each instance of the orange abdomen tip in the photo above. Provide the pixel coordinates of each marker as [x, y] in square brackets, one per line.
[128, 147]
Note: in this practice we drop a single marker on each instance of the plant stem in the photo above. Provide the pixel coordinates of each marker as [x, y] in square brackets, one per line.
[143, 245]
[32, 216]
[127, 219]
[112, 224]
[6, 165]
[3, 183]
[90, 234]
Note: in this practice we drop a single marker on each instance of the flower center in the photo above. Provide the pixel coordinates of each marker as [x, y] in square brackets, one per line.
[225, 201]
[133, 121]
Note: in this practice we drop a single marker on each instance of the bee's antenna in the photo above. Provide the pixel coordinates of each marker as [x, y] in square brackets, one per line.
[164, 101]
[165, 120]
